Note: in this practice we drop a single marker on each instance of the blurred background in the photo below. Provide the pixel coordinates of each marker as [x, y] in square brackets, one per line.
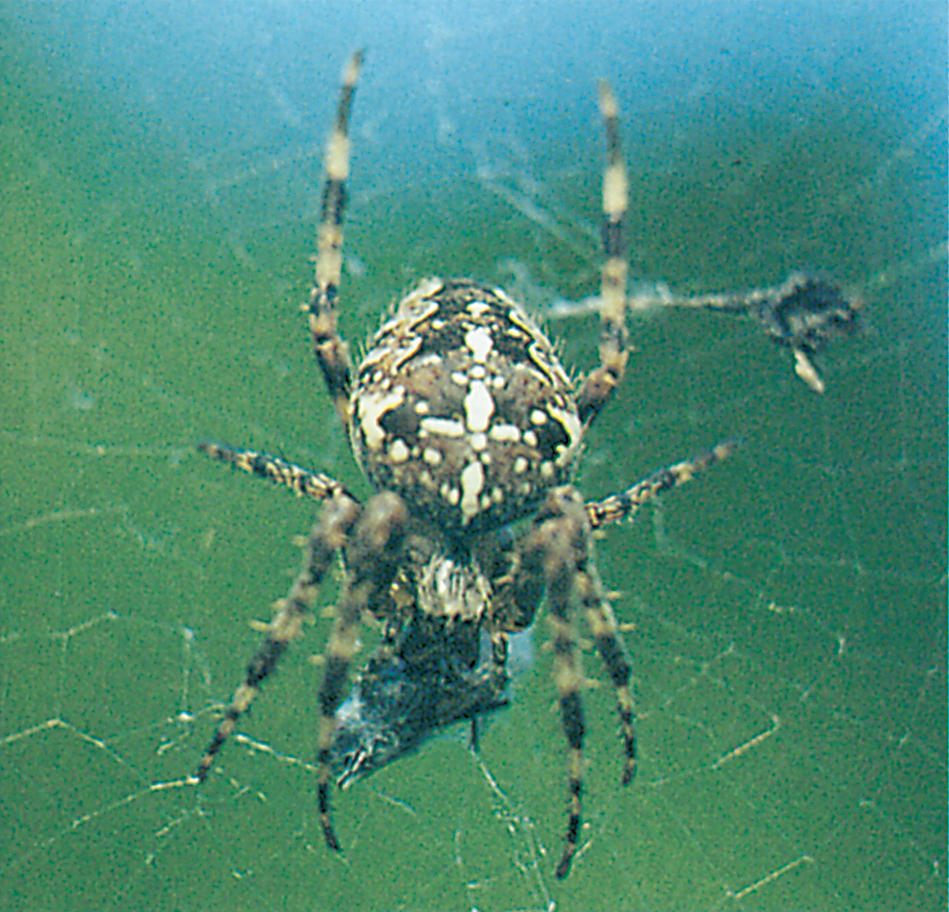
[160, 170]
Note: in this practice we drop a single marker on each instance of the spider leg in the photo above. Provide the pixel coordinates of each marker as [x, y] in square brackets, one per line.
[331, 351]
[304, 482]
[626, 504]
[597, 388]
[612, 650]
[559, 550]
[373, 551]
[324, 541]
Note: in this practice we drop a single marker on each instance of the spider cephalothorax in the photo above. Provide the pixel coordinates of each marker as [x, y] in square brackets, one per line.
[468, 429]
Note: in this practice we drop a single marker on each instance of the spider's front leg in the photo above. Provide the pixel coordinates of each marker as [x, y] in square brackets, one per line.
[373, 553]
[559, 551]
[325, 540]
[371, 539]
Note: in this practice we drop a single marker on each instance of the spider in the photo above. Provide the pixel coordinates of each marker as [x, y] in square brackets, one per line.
[468, 429]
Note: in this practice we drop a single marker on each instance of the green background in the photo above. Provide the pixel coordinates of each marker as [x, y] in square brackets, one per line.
[159, 172]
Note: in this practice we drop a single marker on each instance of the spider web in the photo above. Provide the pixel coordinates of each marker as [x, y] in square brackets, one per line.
[786, 613]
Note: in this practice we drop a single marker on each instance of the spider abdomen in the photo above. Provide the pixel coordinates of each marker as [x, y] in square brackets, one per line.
[462, 407]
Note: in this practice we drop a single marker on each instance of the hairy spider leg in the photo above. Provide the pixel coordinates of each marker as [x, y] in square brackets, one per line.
[598, 387]
[626, 504]
[322, 544]
[559, 551]
[373, 553]
[612, 650]
[303, 482]
[371, 539]
[330, 349]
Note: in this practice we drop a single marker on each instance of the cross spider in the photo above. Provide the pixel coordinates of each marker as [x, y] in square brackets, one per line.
[468, 428]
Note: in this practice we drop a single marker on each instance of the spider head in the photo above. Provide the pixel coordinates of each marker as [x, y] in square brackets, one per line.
[462, 408]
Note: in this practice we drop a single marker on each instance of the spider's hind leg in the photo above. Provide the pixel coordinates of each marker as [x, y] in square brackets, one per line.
[597, 388]
[331, 351]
